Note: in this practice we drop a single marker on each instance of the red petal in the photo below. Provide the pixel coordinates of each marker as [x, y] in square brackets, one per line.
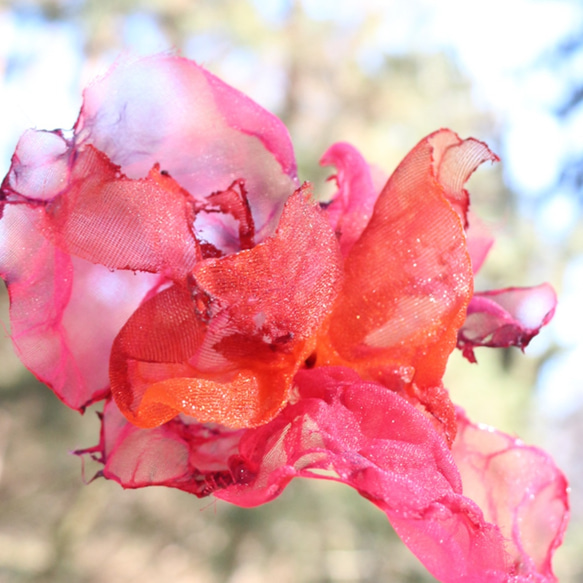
[226, 350]
[507, 317]
[351, 207]
[284, 286]
[167, 110]
[166, 360]
[518, 488]
[233, 202]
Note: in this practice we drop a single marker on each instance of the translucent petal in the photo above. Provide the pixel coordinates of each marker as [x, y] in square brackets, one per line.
[170, 111]
[506, 317]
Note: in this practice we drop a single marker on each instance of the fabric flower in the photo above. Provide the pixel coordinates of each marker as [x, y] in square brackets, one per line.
[165, 259]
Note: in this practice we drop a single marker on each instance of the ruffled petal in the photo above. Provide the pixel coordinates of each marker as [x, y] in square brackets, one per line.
[225, 349]
[341, 428]
[108, 219]
[351, 207]
[363, 435]
[454, 161]
[520, 489]
[180, 454]
[169, 111]
[93, 211]
[408, 279]
[504, 527]
[57, 307]
[40, 167]
[507, 317]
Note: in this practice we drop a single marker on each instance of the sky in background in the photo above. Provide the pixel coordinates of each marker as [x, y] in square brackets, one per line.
[497, 48]
[501, 46]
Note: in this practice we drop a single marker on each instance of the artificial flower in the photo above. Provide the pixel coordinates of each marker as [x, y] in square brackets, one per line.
[164, 258]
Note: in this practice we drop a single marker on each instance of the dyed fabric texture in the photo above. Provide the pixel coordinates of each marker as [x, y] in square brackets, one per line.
[165, 259]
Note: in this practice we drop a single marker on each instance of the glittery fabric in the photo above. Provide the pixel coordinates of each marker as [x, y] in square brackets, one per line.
[164, 259]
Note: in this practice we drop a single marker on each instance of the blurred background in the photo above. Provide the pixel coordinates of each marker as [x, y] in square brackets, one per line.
[380, 74]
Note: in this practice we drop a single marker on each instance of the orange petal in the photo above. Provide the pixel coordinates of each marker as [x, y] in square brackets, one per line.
[225, 348]
[408, 278]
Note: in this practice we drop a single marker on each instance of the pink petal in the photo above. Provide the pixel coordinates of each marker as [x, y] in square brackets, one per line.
[108, 219]
[40, 166]
[351, 206]
[341, 428]
[169, 111]
[64, 312]
[189, 456]
[479, 241]
[507, 317]
[520, 489]
[373, 440]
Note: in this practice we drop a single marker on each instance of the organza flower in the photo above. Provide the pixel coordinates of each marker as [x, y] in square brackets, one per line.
[164, 258]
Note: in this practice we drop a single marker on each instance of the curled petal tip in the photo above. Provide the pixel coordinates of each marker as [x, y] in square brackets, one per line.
[506, 317]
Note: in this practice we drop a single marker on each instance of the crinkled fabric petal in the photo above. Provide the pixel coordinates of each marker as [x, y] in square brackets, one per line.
[106, 218]
[368, 437]
[168, 110]
[373, 440]
[454, 161]
[341, 428]
[40, 167]
[226, 349]
[507, 317]
[190, 456]
[166, 361]
[57, 307]
[408, 280]
[351, 207]
[225, 222]
[520, 489]
[282, 289]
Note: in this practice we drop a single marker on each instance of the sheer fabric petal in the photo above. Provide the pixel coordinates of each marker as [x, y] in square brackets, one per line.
[408, 278]
[507, 317]
[341, 428]
[108, 219]
[504, 526]
[225, 348]
[479, 241]
[351, 206]
[58, 305]
[520, 489]
[170, 111]
[454, 161]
